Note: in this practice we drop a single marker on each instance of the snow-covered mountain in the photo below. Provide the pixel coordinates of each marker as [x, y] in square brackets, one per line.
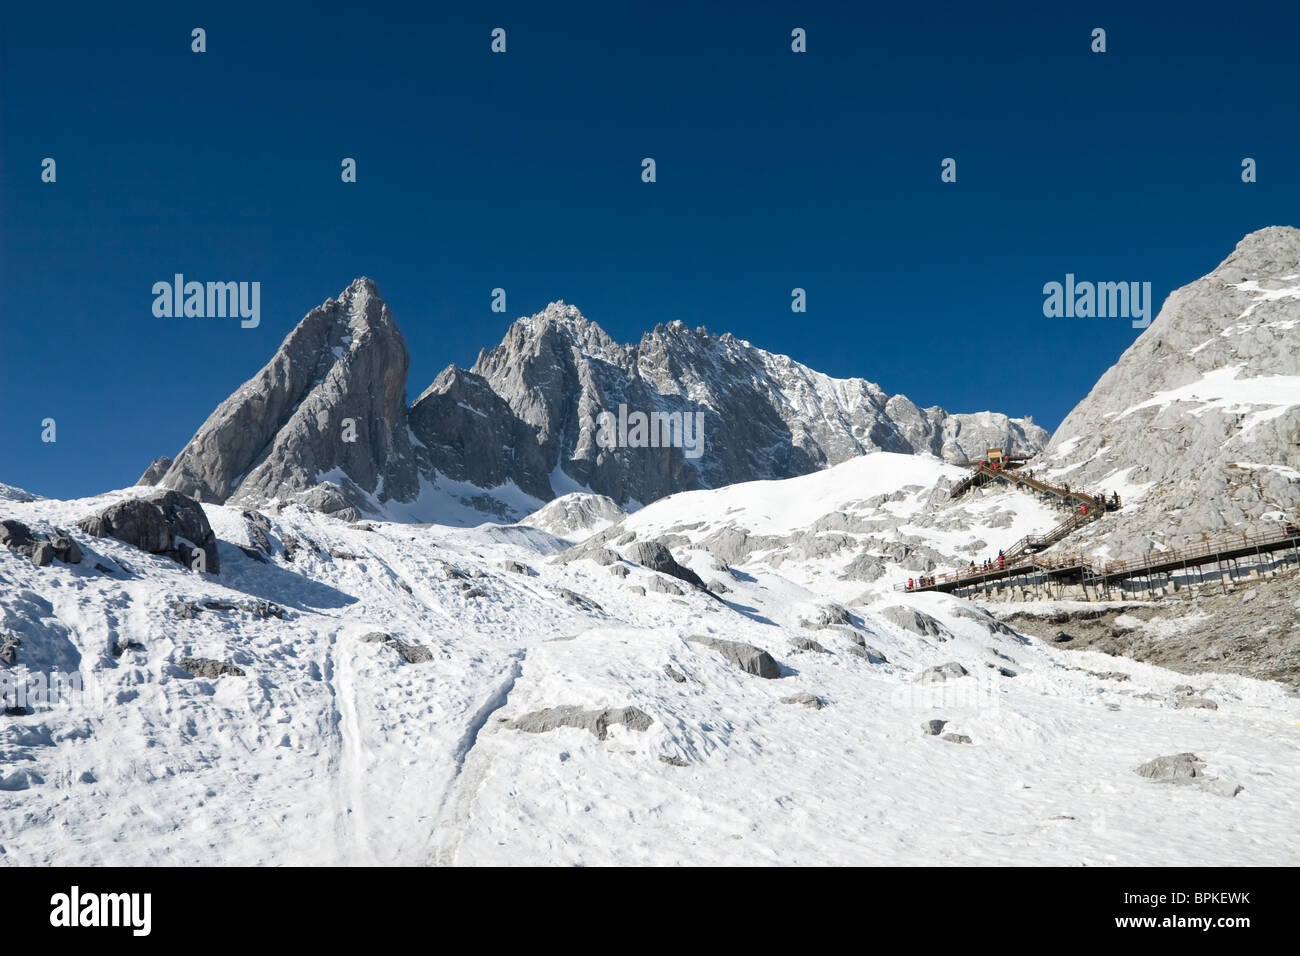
[391, 693]
[324, 423]
[1197, 425]
[720, 675]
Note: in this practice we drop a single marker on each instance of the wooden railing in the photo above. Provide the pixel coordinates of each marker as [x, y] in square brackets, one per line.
[1271, 539]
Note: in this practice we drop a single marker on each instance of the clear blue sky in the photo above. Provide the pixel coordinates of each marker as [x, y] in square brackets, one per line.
[522, 171]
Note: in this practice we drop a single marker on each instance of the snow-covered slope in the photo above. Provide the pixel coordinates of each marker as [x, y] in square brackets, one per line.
[384, 667]
[849, 532]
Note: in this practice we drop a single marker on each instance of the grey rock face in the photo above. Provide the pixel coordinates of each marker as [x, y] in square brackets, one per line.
[663, 586]
[747, 657]
[942, 672]
[156, 524]
[957, 739]
[806, 644]
[154, 473]
[868, 653]
[764, 415]
[208, 668]
[1187, 768]
[1172, 767]
[805, 698]
[656, 557]
[38, 547]
[918, 622]
[934, 727]
[530, 406]
[286, 428]
[470, 433]
[595, 721]
[1171, 417]
[411, 653]
[9, 644]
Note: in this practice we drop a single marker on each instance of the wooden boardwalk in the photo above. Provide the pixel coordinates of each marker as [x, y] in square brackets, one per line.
[1078, 568]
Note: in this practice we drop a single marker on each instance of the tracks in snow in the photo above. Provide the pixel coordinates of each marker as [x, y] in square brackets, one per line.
[471, 770]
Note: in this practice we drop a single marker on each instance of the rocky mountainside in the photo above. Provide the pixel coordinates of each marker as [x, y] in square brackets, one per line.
[1198, 423]
[331, 402]
[764, 416]
[325, 424]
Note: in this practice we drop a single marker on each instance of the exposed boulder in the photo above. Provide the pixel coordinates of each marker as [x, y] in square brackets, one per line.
[208, 668]
[163, 523]
[942, 672]
[1187, 769]
[934, 727]
[827, 615]
[656, 557]
[595, 721]
[805, 698]
[918, 622]
[9, 644]
[411, 653]
[259, 530]
[576, 599]
[1172, 767]
[747, 657]
[868, 653]
[806, 644]
[40, 548]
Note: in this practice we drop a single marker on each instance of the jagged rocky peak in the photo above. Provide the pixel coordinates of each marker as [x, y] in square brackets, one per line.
[323, 422]
[764, 415]
[1198, 423]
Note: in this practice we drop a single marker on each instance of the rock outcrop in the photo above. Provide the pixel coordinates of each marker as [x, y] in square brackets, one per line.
[750, 659]
[40, 548]
[656, 557]
[163, 523]
[596, 721]
[155, 472]
[324, 422]
[1198, 423]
